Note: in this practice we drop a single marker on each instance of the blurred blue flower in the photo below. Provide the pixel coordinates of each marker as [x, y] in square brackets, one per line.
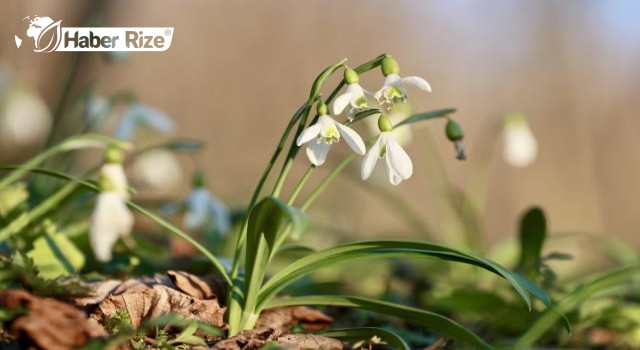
[140, 115]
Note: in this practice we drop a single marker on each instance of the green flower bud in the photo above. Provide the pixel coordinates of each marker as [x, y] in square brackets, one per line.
[113, 155]
[390, 66]
[322, 108]
[384, 123]
[198, 179]
[105, 184]
[350, 76]
[454, 131]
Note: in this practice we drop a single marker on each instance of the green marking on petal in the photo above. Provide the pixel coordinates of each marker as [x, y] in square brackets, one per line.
[392, 93]
[360, 103]
[331, 135]
[383, 151]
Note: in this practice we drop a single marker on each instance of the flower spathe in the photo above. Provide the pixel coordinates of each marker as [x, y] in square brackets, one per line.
[326, 131]
[398, 164]
[111, 220]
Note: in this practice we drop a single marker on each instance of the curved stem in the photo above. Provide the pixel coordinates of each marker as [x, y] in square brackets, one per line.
[300, 184]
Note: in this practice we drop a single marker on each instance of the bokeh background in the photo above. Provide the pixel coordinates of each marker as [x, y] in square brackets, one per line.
[237, 70]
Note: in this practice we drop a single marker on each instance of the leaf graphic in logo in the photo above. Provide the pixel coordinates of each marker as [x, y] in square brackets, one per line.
[49, 38]
[18, 41]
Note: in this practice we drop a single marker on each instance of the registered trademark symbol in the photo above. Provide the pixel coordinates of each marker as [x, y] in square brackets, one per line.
[167, 32]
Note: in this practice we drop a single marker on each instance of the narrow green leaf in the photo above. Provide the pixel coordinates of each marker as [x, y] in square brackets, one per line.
[582, 293]
[426, 116]
[383, 249]
[55, 255]
[533, 232]
[362, 115]
[431, 320]
[353, 335]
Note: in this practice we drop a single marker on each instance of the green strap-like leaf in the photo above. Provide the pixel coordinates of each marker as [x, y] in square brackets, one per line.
[365, 333]
[426, 116]
[433, 321]
[533, 231]
[581, 294]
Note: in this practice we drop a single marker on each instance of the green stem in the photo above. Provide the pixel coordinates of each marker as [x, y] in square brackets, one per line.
[322, 185]
[65, 90]
[300, 184]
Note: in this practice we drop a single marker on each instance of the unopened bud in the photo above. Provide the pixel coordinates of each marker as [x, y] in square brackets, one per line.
[454, 131]
[198, 179]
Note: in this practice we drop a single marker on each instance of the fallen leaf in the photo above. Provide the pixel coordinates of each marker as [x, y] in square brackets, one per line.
[286, 317]
[50, 324]
[301, 341]
[195, 286]
[159, 300]
[248, 340]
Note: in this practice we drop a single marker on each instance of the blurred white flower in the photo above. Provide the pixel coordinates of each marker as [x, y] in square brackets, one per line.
[394, 89]
[205, 212]
[97, 109]
[325, 132]
[140, 115]
[25, 120]
[157, 170]
[520, 145]
[398, 164]
[111, 219]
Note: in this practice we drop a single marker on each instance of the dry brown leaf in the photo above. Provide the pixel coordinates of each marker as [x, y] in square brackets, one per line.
[50, 324]
[308, 342]
[192, 285]
[159, 300]
[248, 340]
[286, 317]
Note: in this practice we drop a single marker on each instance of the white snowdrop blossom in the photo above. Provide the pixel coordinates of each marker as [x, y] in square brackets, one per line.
[140, 115]
[326, 131]
[398, 164]
[205, 211]
[394, 89]
[111, 218]
[520, 145]
[355, 97]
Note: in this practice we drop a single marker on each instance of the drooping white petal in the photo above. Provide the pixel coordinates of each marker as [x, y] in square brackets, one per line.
[398, 159]
[341, 102]
[370, 159]
[317, 151]
[352, 138]
[520, 145]
[418, 82]
[394, 177]
[111, 219]
[114, 172]
[309, 134]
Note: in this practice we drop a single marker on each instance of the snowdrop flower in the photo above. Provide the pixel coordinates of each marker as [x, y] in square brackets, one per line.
[394, 89]
[205, 211]
[398, 163]
[520, 145]
[325, 132]
[396, 114]
[138, 114]
[111, 219]
[355, 97]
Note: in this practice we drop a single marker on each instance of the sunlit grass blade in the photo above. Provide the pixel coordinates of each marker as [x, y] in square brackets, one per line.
[383, 249]
[426, 116]
[354, 335]
[430, 320]
[72, 143]
[158, 220]
[582, 293]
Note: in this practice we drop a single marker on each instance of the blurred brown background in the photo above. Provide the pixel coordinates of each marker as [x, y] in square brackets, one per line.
[237, 70]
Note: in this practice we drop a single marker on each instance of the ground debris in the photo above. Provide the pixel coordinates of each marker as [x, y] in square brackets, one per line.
[301, 341]
[158, 300]
[48, 323]
[286, 317]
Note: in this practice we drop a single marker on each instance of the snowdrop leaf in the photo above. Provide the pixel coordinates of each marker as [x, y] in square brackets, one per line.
[364, 114]
[55, 255]
[533, 232]
[431, 320]
[439, 113]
